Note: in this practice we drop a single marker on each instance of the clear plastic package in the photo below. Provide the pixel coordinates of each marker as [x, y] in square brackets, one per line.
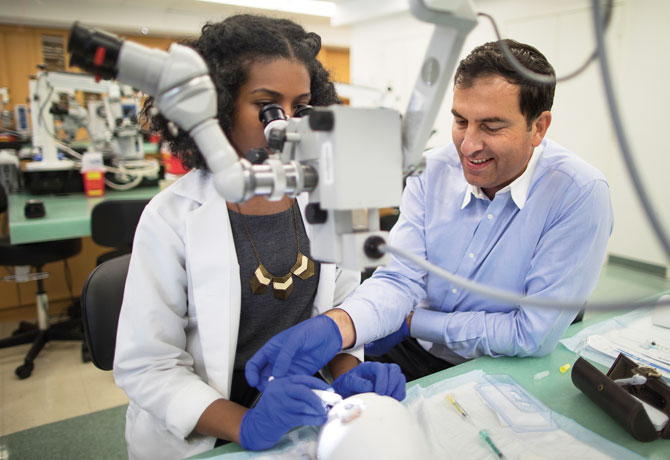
[518, 408]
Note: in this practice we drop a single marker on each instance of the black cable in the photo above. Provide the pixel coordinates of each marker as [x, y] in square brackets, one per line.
[624, 146]
[41, 111]
[538, 77]
[600, 26]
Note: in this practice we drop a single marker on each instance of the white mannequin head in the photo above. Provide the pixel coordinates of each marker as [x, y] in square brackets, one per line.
[368, 426]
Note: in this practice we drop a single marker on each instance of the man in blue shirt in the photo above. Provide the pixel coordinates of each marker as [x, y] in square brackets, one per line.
[502, 206]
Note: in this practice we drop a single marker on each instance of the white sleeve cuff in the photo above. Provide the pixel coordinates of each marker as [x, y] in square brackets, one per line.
[187, 406]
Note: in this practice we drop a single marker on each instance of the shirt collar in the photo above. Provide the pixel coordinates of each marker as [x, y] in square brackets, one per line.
[519, 187]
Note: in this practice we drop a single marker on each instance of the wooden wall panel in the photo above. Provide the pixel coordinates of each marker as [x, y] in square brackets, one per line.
[21, 52]
[336, 60]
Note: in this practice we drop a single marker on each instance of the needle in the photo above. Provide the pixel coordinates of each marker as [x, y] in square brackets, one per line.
[485, 436]
[458, 407]
[482, 433]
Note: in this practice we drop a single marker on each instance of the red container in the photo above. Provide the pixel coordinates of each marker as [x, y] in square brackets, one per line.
[173, 164]
[94, 183]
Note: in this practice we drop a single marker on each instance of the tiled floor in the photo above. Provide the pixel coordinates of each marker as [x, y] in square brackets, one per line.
[62, 387]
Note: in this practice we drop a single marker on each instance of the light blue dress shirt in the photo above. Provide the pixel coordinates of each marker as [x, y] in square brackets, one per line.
[544, 235]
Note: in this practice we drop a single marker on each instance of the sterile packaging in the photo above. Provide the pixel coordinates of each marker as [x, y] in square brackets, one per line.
[516, 406]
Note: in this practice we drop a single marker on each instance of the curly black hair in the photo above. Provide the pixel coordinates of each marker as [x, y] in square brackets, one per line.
[229, 48]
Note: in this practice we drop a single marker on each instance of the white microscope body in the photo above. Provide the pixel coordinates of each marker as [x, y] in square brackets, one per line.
[117, 133]
[350, 160]
[43, 92]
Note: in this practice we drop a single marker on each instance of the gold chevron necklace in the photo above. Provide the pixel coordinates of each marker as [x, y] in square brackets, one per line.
[282, 285]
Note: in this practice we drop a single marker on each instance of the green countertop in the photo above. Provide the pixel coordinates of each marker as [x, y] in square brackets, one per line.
[67, 216]
[556, 391]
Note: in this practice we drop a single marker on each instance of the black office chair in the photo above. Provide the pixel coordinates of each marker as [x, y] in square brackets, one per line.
[37, 255]
[113, 224]
[101, 299]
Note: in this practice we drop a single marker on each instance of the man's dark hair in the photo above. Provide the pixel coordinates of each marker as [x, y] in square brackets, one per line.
[229, 48]
[488, 59]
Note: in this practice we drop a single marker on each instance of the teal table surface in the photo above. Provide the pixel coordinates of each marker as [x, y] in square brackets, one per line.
[67, 216]
[555, 390]
[149, 148]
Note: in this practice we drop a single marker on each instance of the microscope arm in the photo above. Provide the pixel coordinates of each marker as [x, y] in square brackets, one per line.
[453, 20]
[183, 92]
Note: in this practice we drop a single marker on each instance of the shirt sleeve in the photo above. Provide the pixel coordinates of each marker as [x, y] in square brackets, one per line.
[565, 266]
[345, 282]
[380, 305]
[151, 363]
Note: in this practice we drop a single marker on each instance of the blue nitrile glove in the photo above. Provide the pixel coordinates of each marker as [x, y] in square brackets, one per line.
[302, 349]
[383, 379]
[286, 403]
[382, 346]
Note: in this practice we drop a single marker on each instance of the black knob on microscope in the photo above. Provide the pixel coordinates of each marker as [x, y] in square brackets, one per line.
[371, 247]
[315, 214]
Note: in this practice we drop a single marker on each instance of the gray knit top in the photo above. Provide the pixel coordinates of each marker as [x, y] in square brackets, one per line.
[262, 315]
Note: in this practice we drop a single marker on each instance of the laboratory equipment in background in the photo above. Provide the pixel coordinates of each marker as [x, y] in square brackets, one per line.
[45, 89]
[13, 124]
[366, 96]
[111, 123]
[5, 115]
[93, 174]
[21, 124]
[350, 160]
[10, 177]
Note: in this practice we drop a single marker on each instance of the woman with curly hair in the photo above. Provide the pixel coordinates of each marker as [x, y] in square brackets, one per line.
[210, 281]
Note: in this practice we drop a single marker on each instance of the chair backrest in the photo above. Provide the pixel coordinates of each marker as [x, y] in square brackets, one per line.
[113, 222]
[3, 199]
[4, 222]
[101, 299]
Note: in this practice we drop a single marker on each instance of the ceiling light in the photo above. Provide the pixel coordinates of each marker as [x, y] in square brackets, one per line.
[309, 7]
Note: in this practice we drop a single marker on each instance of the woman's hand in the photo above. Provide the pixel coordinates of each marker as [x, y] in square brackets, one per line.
[286, 403]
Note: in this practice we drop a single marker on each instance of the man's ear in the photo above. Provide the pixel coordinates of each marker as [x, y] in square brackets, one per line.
[540, 127]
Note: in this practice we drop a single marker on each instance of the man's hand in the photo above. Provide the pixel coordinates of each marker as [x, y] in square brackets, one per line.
[286, 403]
[383, 379]
[382, 346]
[302, 349]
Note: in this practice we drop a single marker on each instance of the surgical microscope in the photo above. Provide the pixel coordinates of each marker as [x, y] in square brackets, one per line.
[349, 160]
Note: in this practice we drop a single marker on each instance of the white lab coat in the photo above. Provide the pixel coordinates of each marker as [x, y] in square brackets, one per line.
[178, 327]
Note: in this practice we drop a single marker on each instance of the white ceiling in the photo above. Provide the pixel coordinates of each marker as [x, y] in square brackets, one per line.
[159, 17]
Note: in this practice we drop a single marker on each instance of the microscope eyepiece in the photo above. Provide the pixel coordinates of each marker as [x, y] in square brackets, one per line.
[270, 113]
[303, 111]
[94, 51]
